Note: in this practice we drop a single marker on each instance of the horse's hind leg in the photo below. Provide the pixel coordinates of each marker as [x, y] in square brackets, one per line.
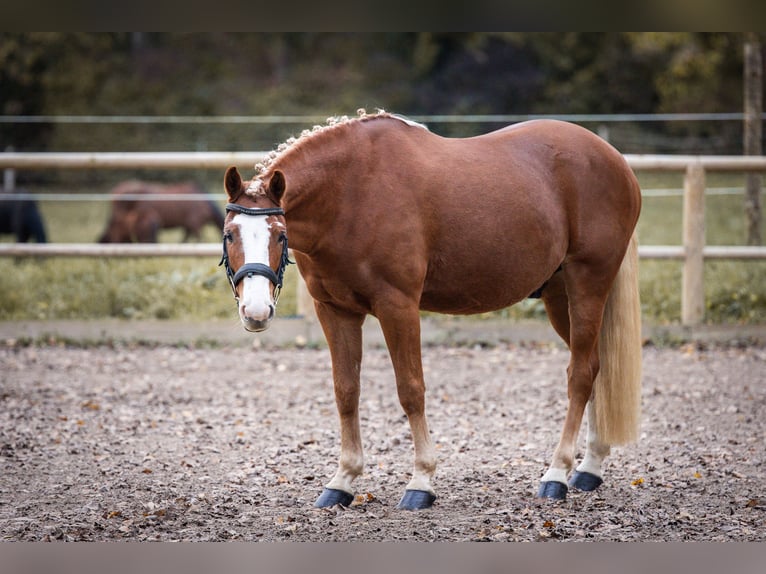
[401, 328]
[344, 338]
[585, 306]
[554, 297]
[588, 474]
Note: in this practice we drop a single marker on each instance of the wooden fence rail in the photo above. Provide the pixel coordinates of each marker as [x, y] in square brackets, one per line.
[693, 252]
[214, 160]
[126, 250]
[129, 160]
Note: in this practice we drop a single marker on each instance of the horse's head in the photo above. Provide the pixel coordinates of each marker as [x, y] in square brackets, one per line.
[117, 231]
[254, 248]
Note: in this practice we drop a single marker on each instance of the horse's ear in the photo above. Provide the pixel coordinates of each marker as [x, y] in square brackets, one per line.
[277, 186]
[232, 182]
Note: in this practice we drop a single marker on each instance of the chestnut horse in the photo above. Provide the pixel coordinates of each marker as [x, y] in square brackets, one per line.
[386, 218]
[141, 209]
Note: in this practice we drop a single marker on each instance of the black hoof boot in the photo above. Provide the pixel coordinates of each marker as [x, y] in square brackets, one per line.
[333, 496]
[416, 500]
[552, 489]
[585, 481]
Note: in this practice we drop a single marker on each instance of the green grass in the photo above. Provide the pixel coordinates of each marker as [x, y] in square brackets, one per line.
[196, 289]
[89, 288]
[735, 291]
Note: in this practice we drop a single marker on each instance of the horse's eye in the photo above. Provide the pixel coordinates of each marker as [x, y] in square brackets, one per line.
[228, 237]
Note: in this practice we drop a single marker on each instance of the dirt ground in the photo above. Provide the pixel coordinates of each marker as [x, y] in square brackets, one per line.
[197, 444]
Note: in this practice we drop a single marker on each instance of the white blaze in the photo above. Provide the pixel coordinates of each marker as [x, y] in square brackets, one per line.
[255, 302]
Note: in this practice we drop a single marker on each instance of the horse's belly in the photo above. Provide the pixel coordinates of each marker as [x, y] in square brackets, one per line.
[470, 297]
[465, 307]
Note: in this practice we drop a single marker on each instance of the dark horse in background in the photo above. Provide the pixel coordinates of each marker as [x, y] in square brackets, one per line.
[21, 218]
[386, 218]
[141, 209]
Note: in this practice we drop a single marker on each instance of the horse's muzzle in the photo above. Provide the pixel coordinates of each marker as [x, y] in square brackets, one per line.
[256, 325]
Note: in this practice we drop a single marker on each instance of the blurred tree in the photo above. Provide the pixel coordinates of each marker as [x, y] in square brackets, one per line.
[22, 61]
[695, 72]
[335, 73]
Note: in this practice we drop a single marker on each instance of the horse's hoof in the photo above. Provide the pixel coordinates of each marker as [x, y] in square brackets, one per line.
[416, 500]
[552, 489]
[333, 496]
[585, 481]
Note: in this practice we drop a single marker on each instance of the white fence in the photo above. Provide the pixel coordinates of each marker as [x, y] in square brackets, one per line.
[693, 252]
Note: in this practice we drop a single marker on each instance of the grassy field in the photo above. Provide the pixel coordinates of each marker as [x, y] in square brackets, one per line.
[195, 288]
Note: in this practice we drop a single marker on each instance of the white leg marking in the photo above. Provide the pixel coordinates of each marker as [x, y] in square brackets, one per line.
[346, 473]
[424, 470]
[555, 475]
[420, 481]
[595, 450]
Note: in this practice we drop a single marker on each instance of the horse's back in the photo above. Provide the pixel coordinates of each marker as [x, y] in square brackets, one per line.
[463, 225]
[558, 153]
[525, 161]
[499, 213]
[544, 180]
[191, 214]
[174, 209]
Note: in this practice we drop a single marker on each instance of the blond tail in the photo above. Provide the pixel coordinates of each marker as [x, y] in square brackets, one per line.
[617, 389]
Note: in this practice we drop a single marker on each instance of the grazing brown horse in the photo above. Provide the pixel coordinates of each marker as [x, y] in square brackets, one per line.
[140, 209]
[386, 218]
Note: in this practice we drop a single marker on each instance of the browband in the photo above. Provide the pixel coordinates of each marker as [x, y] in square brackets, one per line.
[254, 210]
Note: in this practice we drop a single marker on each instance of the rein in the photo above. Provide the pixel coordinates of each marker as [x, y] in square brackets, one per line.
[251, 269]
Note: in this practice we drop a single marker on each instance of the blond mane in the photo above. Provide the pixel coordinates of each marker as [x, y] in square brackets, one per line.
[256, 186]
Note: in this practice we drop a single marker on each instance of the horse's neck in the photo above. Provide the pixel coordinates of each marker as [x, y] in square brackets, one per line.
[315, 178]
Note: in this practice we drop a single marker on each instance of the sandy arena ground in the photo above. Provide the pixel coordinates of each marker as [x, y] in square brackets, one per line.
[134, 442]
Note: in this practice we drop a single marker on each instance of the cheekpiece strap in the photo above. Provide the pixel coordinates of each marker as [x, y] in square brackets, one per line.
[235, 207]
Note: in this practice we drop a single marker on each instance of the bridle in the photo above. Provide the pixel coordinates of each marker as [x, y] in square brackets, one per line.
[251, 269]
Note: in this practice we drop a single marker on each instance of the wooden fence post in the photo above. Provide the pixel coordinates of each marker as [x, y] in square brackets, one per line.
[693, 294]
[9, 175]
[753, 134]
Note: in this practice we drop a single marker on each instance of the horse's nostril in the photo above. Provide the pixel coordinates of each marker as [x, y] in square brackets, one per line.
[258, 313]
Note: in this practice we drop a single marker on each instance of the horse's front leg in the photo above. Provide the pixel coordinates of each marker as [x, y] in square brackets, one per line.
[401, 328]
[343, 332]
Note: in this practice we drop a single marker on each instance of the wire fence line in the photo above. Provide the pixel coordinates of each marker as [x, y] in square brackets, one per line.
[632, 132]
[433, 118]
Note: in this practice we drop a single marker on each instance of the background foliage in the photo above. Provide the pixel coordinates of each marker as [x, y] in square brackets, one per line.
[321, 73]
[219, 74]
